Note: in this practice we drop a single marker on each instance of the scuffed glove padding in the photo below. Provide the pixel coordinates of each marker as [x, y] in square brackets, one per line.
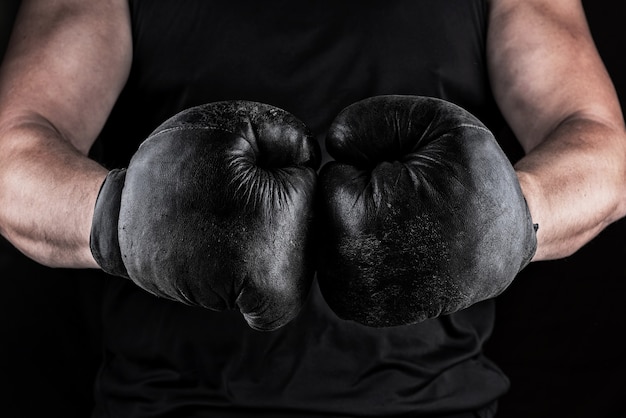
[215, 210]
[421, 213]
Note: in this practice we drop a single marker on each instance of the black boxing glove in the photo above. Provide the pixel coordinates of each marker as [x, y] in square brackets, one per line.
[215, 210]
[421, 214]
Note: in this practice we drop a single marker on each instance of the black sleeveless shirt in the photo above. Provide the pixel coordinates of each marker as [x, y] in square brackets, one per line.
[311, 58]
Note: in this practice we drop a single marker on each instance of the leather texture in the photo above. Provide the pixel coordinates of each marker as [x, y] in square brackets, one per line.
[216, 210]
[421, 212]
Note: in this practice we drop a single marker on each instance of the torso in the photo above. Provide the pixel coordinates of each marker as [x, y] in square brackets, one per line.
[311, 59]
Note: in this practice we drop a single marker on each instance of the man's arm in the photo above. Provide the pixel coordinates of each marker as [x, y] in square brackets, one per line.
[65, 65]
[556, 95]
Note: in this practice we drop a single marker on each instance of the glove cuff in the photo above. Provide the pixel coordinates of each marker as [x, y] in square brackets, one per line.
[103, 240]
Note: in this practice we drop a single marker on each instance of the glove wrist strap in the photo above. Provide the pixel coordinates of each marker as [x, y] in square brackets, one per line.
[103, 240]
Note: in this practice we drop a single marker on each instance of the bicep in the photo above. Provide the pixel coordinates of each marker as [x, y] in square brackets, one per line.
[65, 65]
[544, 68]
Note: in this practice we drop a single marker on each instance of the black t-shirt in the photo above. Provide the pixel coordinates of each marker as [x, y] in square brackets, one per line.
[311, 58]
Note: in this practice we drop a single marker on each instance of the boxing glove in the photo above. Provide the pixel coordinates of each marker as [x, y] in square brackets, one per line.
[421, 213]
[215, 210]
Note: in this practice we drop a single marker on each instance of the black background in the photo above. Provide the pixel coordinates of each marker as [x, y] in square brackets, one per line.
[559, 329]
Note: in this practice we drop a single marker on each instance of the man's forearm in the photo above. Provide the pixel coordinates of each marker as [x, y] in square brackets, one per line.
[47, 194]
[575, 184]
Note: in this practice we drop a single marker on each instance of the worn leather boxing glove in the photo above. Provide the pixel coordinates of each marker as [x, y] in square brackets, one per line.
[215, 210]
[421, 213]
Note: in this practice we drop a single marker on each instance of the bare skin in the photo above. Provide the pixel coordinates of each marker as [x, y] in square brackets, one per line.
[66, 64]
[555, 93]
[69, 59]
